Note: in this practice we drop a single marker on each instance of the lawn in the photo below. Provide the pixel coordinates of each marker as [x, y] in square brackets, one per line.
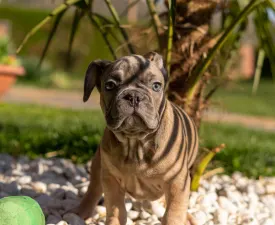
[36, 131]
[237, 98]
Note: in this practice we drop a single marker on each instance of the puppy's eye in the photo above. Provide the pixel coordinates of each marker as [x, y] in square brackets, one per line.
[109, 85]
[156, 86]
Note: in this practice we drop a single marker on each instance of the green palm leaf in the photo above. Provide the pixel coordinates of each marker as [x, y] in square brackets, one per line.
[97, 25]
[201, 69]
[77, 17]
[60, 9]
[172, 13]
[117, 22]
[51, 35]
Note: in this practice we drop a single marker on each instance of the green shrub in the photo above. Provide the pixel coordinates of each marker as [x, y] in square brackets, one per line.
[33, 73]
[38, 130]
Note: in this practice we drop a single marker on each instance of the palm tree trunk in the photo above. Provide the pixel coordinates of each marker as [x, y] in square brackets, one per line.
[191, 42]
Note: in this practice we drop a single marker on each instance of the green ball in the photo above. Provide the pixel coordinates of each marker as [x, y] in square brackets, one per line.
[20, 210]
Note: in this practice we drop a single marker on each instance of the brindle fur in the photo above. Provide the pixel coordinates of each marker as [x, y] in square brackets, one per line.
[147, 150]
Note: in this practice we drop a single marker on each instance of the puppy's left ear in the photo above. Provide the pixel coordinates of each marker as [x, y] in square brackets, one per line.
[156, 58]
[92, 77]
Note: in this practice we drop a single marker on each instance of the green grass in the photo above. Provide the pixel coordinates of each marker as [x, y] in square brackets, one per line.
[249, 151]
[237, 98]
[34, 131]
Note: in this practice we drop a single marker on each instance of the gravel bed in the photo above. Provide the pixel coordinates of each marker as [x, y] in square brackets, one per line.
[58, 185]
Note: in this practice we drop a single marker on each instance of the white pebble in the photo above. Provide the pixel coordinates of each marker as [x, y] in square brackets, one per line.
[128, 205]
[221, 216]
[157, 209]
[62, 222]
[268, 222]
[101, 210]
[270, 188]
[129, 221]
[200, 217]
[53, 187]
[227, 205]
[39, 187]
[83, 190]
[24, 180]
[141, 222]
[144, 215]
[153, 218]
[133, 215]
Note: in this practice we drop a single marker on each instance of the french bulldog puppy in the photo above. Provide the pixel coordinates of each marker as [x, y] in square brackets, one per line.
[149, 144]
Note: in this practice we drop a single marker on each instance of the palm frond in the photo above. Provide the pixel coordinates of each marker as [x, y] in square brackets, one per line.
[172, 9]
[75, 24]
[58, 10]
[155, 19]
[97, 25]
[50, 37]
[201, 68]
[263, 28]
[257, 76]
[117, 22]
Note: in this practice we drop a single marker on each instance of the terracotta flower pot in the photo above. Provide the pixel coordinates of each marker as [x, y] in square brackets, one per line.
[8, 75]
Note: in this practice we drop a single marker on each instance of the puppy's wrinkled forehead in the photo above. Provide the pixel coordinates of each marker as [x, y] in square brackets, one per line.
[135, 66]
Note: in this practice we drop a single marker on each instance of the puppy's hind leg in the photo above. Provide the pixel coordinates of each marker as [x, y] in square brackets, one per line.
[94, 193]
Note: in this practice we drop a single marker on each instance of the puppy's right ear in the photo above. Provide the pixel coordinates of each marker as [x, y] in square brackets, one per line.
[92, 77]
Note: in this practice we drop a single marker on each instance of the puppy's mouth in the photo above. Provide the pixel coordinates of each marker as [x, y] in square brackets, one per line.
[133, 123]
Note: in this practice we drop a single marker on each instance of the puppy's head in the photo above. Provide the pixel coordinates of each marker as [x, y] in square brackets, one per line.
[131, 90]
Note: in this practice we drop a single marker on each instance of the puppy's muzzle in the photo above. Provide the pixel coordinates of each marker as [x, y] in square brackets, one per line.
[133, 98]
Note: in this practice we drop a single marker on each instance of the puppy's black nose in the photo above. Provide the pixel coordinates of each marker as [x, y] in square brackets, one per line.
[134, 98]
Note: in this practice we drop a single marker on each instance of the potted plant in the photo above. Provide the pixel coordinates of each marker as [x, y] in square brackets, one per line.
[10, 66]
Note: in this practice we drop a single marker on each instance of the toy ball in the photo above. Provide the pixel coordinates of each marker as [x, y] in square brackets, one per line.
[20, 210]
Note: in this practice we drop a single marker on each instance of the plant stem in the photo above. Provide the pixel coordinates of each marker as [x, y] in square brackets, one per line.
[50, 37]
[170, 35]
[202, 166]
[117, 22]
[155, 19]
[258, 71]
[55, 12]
[103, 33]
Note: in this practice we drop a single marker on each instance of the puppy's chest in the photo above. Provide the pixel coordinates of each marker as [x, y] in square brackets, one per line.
[135, 153]
[132, 169]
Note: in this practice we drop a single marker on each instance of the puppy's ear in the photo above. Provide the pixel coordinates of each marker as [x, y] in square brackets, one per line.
[156, 58]
[92, 77]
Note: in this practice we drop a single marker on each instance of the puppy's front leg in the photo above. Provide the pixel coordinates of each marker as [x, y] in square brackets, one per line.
[177, 198]
[94, 192]
[114, 200]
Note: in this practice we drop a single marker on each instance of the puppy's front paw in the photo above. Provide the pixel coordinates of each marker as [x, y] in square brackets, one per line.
[113, 221]
[191, 220]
